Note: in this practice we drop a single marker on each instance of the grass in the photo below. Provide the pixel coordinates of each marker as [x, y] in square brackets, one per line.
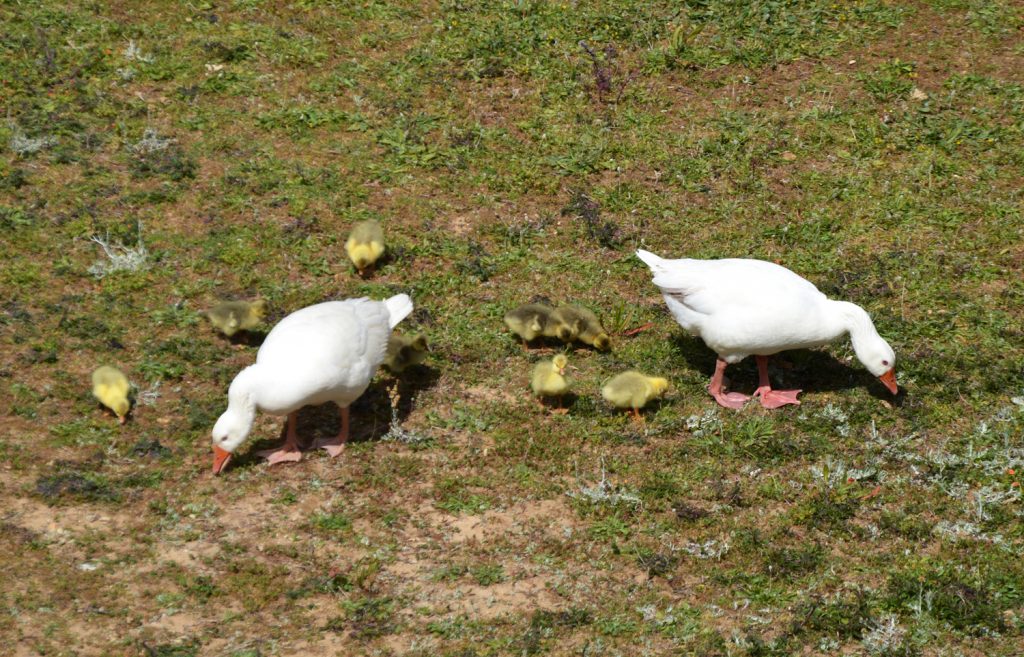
[157, 157]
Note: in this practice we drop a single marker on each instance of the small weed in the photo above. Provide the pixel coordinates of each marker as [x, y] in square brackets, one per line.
[847, 616]
[891, 80]
[660, 485]
[709, 549]
[370, 617]
[450, 572]
[657, 564]
[488, 574]
[200, 587]
[544, 624]
[910, 526]
[571, 618]
[470, 504]
[186, 649]
[151, 448]
[827, 509]
[689, 512]
[120, 257]
[759, 440]
[603, 232]
[948, 596]
[255, 584]
[604, 74]
[477, 263]
[887, 638]
[787, 563]
[331, 523]
[610, 529]
[616, 626]
[156, 156]
[332, 584]
[288, 496]
[22, 145]
[605, 493]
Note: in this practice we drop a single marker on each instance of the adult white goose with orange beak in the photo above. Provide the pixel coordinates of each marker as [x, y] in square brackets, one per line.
[321, 353]
[742, 307]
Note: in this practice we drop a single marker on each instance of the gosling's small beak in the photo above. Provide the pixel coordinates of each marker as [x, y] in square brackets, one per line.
[220, 459]
[889, 379]
[123, 419]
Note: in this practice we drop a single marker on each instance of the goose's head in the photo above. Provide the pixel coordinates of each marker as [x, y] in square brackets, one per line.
[230, 431]
[880, 360]
[871, 348]
[559, 363]
[121, 406]
[602, 342]
[658, 384]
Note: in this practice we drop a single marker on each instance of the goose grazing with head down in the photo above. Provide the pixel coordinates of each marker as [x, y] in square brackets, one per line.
[321, 353]
[743, 307]
[111, 387]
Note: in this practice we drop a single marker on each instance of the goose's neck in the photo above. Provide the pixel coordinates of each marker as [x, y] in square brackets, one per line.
[857, 323]
[242, 395]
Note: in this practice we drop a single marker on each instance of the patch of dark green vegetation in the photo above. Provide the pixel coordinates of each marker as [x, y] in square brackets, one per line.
[657, 564]
[367, 617]
[602, 231]
[846, 616]
[966, 601]
[792, 562]
[188, 648]
[150, 448]
[546, 625]
[335, 583]
[72, 484]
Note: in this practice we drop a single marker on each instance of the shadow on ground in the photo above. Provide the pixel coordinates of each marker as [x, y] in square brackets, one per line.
[806, 369]
[370, 416]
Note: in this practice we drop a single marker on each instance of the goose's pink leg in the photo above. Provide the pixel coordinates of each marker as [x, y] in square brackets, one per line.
[772, 398]
[336, 445]
[727, 399]
[289, 452]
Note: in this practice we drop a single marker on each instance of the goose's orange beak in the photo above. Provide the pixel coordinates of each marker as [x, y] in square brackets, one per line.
[220, 459]
[889, 379]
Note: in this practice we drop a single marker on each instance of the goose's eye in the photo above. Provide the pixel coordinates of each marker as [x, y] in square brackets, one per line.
[885, 362]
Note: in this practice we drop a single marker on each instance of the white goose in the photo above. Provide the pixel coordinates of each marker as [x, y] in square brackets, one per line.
[321, 353]
[751, 307]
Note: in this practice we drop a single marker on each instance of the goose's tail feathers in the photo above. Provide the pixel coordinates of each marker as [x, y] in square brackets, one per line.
[651, 260]
[399, 307]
